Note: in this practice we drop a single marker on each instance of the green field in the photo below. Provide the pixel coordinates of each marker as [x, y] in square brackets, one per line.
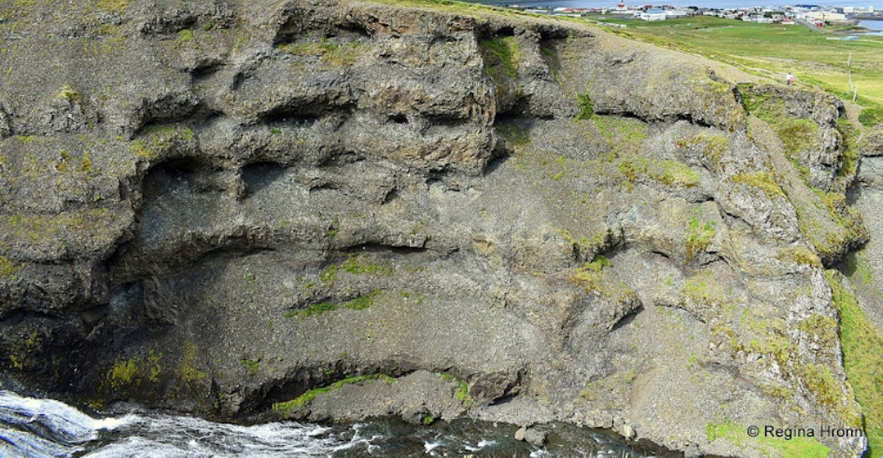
[816, 58]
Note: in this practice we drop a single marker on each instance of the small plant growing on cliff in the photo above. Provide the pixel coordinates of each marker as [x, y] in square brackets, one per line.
[154, 368]
[252, 365]
[699, 236]
[68, 93]
[123, 373]
[586, 107]
[799, 255]
[462, 393]
[589, 276]
[764, 180]
[185, 35]
[187, 368]
[7, 267]
[462, 390]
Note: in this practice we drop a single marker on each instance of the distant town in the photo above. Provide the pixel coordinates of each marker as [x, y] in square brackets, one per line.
[814, 15]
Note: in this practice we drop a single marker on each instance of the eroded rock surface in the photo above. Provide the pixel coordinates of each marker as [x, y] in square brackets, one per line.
[215, 206]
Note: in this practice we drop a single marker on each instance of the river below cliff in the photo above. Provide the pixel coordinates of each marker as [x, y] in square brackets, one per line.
[36, 428]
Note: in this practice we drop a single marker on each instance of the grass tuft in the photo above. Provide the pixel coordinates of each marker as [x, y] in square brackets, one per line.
[766, 181]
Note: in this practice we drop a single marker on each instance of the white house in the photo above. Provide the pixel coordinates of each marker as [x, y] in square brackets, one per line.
[674, 14]
[653, 15]
[828, 16]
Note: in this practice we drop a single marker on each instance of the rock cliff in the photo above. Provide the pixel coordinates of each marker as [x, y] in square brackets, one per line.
[330, 210]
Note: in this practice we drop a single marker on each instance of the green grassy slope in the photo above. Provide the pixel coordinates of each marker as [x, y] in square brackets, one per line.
[816, 58]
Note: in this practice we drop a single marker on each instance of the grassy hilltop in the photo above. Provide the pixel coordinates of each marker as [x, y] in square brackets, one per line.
[816, 58]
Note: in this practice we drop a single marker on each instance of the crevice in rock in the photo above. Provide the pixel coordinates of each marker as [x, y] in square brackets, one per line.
[344, 158]
[390, 196]
[397, 118]
[443, 121]
[206, 71]
[495, 164]
[352, 29]
[321, 187]
[260, 175]
[377, 248]
[504, 31]
[503, 400]
[157, 180]
[627, 318]
[290, 118]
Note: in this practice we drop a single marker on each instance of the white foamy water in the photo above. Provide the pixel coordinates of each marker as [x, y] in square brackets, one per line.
[42, 428]
[36, 428]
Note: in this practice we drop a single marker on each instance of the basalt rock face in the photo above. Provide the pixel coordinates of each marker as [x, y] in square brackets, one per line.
[217, 206]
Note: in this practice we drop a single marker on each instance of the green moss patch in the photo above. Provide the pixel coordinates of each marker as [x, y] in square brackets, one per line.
[129, 374]
[123, 373]
[851, 154]
[156, 140]
[766, 181]
[862, 345]
[505, 52]
[797, 446]
[870, 117]
[589, 276]
[288, 407]
[66, 228]
[355, 265]
[665, 171]
[251, 365]
[331, 54]
[623, 135]
[188, 367]
[462, 390]
[359, 303]
[462, 393]
[799, 255]
[705, 289]
[8, 268]
[185, 35]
